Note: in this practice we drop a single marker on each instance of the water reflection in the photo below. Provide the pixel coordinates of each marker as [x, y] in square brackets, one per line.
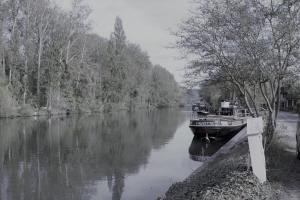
[201, 150]
[63, 158]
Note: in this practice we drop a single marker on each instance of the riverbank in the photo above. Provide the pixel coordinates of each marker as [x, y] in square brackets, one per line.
[29, 111]
[225, 176]
[11, 107]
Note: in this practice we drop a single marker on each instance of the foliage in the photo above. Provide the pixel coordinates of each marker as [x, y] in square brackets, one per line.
[164, 90]
[7, 103]
[214, 93]
[50, 59]
[253, 45]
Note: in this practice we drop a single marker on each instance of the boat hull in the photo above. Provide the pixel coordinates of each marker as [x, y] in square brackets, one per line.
[216, 131]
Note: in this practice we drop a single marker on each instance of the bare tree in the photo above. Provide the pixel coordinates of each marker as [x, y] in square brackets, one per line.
[251, 44]
[49, 58]
[43, 12]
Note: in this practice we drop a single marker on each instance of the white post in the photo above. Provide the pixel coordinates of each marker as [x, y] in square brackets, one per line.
[254, 134]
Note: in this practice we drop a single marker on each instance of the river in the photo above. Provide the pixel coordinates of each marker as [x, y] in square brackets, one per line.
[113, 156]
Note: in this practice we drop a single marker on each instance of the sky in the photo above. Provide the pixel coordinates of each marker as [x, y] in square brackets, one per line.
[146, 22]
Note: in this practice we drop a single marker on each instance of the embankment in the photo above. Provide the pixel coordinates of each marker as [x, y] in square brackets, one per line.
[226, 175]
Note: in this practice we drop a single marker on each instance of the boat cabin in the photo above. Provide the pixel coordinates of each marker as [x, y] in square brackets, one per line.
[200, 109]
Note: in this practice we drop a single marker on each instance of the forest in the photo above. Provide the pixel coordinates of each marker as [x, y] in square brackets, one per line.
[51, 62]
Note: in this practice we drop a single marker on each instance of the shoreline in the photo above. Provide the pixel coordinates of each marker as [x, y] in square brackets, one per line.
[226, 175]
[46, 113]
[225, 149]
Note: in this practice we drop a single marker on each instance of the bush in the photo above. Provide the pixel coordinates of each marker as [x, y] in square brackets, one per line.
[26, 110]
[7, 103]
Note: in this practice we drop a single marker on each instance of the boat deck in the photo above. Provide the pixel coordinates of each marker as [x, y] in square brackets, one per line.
[218, 120]
[216, 125]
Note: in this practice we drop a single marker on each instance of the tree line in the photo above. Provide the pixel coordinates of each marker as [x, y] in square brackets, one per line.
[250, 46]
[50, 59]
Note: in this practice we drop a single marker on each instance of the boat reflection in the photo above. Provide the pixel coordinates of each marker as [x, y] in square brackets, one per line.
[201, 150]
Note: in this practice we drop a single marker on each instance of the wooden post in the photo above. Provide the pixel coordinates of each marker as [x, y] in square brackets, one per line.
[254, 134]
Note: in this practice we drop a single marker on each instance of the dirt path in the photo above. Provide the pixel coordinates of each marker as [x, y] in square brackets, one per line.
[288, 169]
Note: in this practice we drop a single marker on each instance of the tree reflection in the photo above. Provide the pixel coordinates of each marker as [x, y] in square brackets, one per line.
[65, 158]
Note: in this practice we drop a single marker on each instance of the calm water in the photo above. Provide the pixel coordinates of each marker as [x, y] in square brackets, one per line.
[118, 156]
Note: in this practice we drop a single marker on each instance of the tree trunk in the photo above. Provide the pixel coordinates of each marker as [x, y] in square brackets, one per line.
[253, 101]
[3, 65]
[10, 75]
[25, 81]
[269, 104]
[24, 95]
[278, 98]
[39, 72]
[26, 52]
[269, 129]
[244, 94]
[68, 52]
[49, 104]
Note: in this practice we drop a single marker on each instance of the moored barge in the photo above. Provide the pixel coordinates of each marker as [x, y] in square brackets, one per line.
[228, 122]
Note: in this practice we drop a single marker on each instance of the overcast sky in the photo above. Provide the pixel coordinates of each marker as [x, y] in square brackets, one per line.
[146, 22]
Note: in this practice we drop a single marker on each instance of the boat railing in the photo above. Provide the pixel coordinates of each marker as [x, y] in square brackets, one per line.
[238, 113]
[216, 120]
[241, 112]
[194, 116]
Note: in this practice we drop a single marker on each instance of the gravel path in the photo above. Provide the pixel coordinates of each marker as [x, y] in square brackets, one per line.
[289, 168]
